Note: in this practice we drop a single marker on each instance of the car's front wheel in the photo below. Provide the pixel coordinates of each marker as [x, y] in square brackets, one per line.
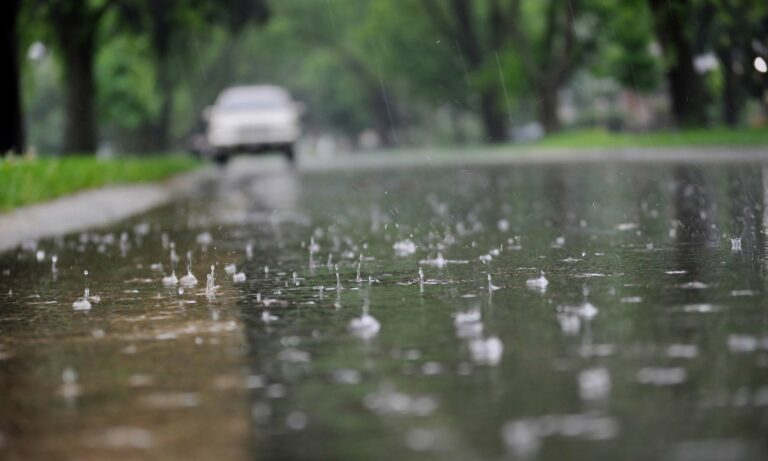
[221, 157]
[290, 153]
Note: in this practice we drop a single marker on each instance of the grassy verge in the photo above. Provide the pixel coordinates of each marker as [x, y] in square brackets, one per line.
[701, 137]
[24, 181]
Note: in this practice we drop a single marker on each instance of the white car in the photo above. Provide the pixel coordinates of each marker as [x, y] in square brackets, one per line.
[253, 119]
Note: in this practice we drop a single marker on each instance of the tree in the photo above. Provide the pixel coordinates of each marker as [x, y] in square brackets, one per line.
[171, 24]
[544, 36]
[625, 49]
[477, 29]
[687, 92]
[74, 27]
[11, 132]
[731, 29]
[565, 39]
[428, 70]
[328, 42]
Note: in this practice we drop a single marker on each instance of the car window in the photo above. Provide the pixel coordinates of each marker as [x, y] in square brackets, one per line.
[252, 100]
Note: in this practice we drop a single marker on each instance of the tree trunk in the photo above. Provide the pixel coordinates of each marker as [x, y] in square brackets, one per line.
[383, 118]
[549, 103]
[493, 119]
[11, 131]
[161, 30]
[732, 101]
[459, 136]
[686, 89]
[78, 50]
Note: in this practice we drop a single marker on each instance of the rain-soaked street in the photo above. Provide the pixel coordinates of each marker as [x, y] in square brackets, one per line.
[580, 311]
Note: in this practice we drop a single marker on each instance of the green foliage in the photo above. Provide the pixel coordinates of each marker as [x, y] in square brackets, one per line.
[24, 181]
[718, 137]
[430, 67]
[626, 47]
[128, 93]
[361, 64]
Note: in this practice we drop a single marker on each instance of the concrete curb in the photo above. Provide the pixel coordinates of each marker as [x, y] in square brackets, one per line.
[91, 208]
[533, 156]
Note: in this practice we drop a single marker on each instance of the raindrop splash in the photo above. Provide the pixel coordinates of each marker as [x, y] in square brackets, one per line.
[365, 326]
[736, 244]
[172, 280]
[70, 389]
[404, 247]
[266, 317]
[359, 279]
[210, 287]
[83, 304]
[338, 278]
[491, 286]
[486, 351]
[539, 284]
[188, 280]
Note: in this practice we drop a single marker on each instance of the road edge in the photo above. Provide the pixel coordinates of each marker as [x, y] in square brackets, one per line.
[504, 155]
[92, 208]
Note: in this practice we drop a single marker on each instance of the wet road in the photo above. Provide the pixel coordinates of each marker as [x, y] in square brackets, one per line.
[439, 337]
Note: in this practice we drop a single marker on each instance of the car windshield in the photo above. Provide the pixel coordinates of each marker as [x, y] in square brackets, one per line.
[234, 100]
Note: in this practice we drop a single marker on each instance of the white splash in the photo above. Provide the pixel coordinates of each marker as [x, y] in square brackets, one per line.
[491, 286]
[83, 304]
[170, 280]
[189, 280]
[736, 244]
[659, 376]
[358, 278]
[440, 261]
[338, 278]
[210, 286]
[594, 384]
[539, 283]
[469, 316]
[364, 327]
[694, 285]
[204, 239]
[266, 317]
[486, 351]
[404, 247]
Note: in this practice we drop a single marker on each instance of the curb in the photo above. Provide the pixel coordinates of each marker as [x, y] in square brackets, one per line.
[92, 208]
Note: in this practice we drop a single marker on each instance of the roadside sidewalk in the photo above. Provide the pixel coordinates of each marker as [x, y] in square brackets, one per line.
[91, 208]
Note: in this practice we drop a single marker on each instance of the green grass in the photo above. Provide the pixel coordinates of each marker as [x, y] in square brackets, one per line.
[724, 137]
[24, 181]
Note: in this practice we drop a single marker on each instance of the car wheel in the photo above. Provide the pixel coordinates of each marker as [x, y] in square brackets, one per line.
[221, 158]
[290, 153]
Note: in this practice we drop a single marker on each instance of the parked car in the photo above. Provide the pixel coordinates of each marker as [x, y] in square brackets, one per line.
[253, 119]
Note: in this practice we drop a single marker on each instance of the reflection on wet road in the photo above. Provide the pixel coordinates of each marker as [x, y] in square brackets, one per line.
[610, 311]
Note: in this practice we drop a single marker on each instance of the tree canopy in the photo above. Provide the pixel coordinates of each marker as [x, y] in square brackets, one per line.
[136, 74]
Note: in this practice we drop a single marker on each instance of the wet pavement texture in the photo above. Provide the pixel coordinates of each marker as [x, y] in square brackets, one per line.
[613, 311]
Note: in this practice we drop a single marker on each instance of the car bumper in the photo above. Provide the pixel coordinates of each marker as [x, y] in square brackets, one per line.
[252, 137]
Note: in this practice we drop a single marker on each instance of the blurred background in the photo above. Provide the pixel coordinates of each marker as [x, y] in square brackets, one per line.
[83, 76]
